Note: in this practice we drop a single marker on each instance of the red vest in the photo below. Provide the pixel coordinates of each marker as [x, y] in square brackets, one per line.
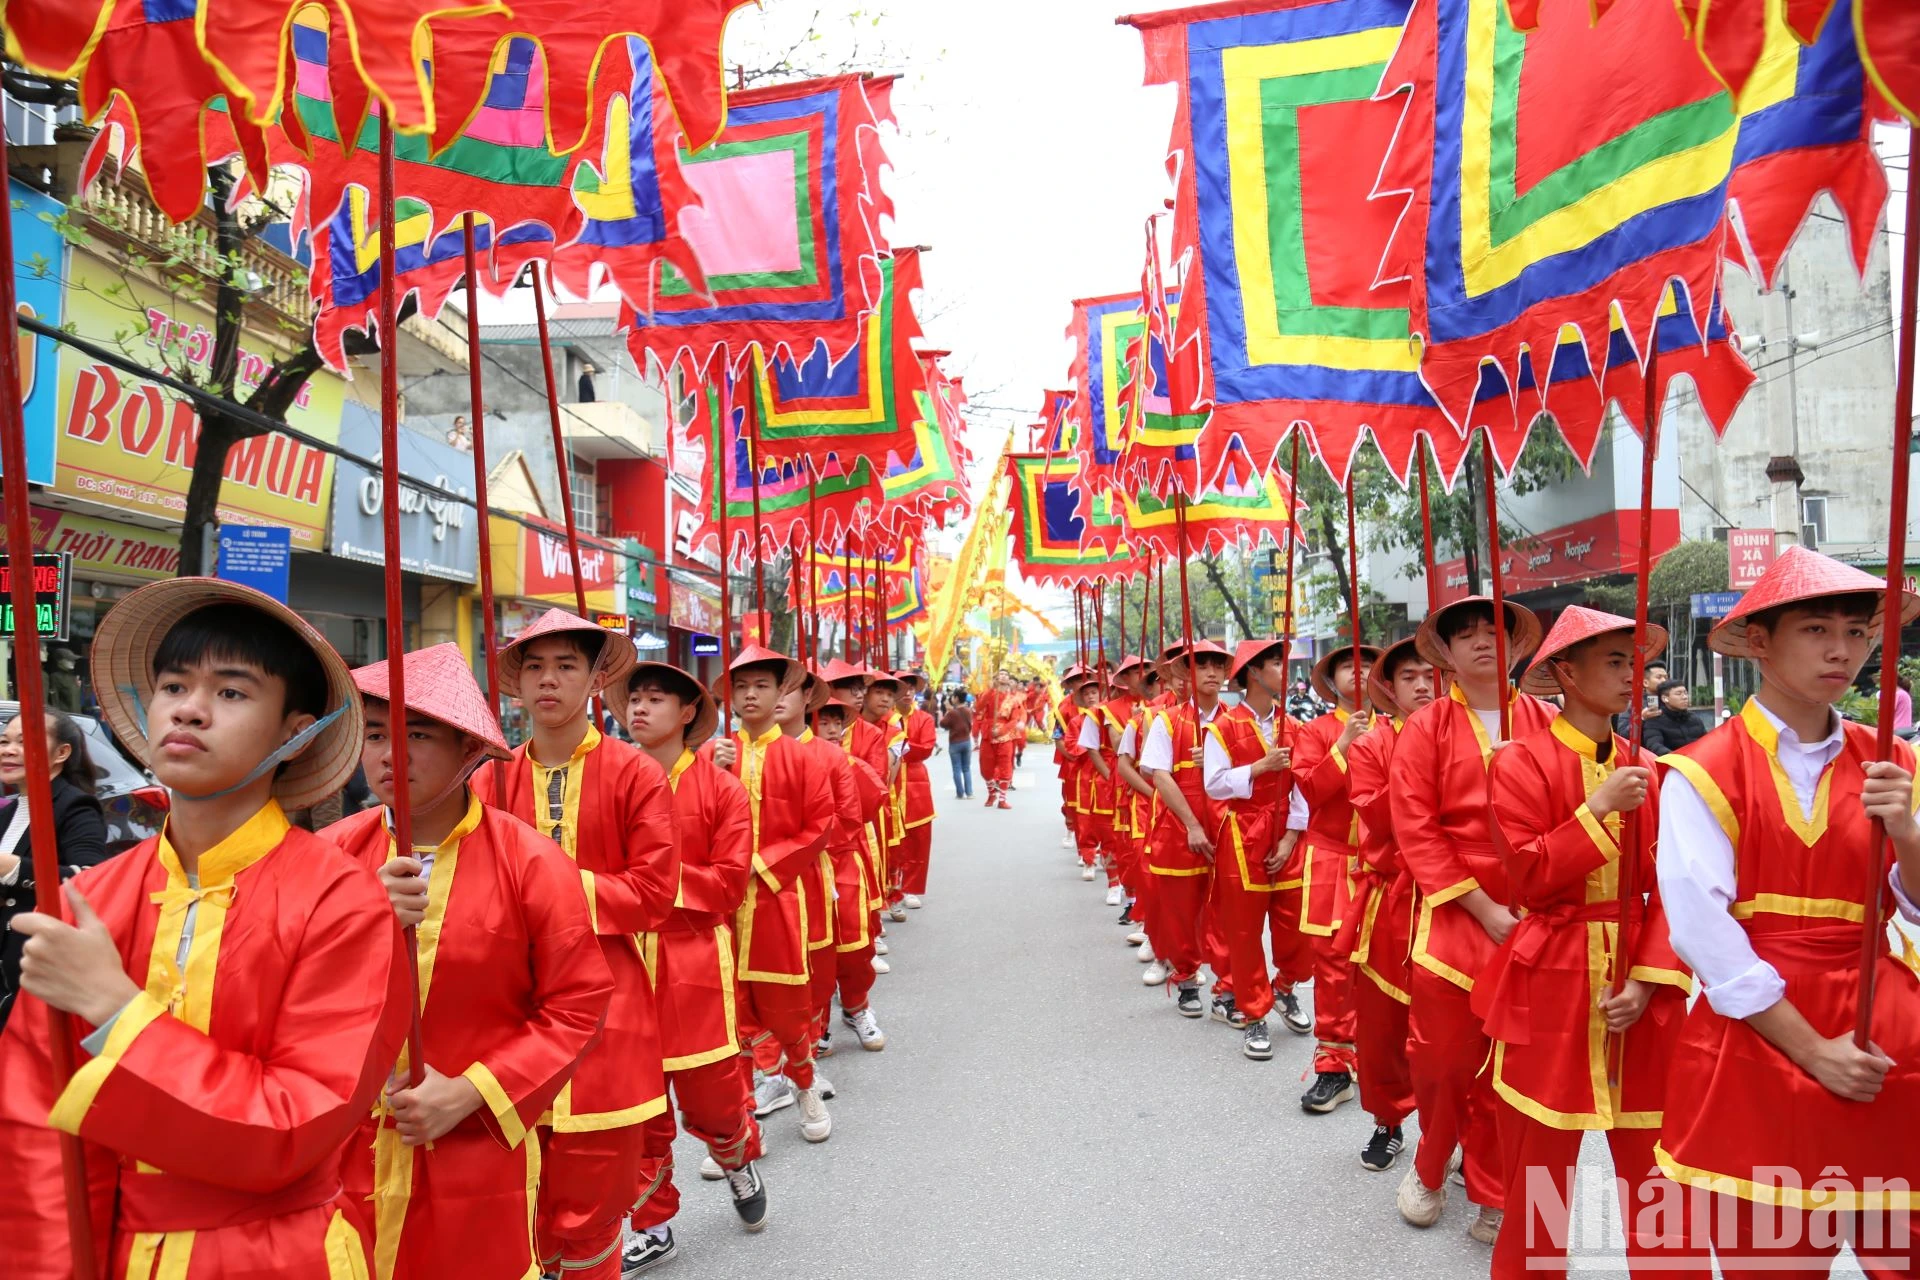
[1249, 829]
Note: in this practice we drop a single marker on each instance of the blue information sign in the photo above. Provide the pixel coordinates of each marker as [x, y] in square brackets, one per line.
[1714, 604]
[706, 646]
[257, 556]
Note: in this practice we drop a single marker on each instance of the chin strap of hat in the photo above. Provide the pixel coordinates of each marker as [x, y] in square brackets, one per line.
[275, 758]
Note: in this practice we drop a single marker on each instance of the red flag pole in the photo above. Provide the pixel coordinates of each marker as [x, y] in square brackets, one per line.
[32, 696]
[488, 641]
[1186, 602]
[1353, 595]
[1286, 636]
[846, 596]
[1146, 609]
[1160, 631]
[1426, 528]
[722, 474]
[396, 595]
[1098, 592]
[750, 424]
[813, 556]
[561, 458]
[1873, 931]
[1499, 586]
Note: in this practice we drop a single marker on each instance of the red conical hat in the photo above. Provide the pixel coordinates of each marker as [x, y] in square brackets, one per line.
[1380, 682]
[1579, 623]
[910, 677]
[1322, 675]
[1246, 652]
[1797, 576]
[440, 686]
[705, 722]
[1523, 631]
[617, 655]
[752, 654]
[1177, 651]
[1128, 663]
[819, 692]
[837, 670]
[876, 676]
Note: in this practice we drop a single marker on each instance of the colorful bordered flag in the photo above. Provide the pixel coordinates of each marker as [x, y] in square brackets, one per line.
[1276, 143]
[1161, 414]
[788, 233]
[1060, 536]
[1530, 213]
[1736, 37]
[1241, 504]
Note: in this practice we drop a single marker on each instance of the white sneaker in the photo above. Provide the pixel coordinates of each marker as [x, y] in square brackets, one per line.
[897, 913]
[1486, 1227]
[912, 902]
[872, 1039]
[1137, 939]
[815, 1124]
[1086, 871]
[880, 947]
[881, 966]
[1113, 895]
[1155, 975]
[1418, 1203]
[1066, 842]
[772, 1093]
[710, 1170]
[1145, 954]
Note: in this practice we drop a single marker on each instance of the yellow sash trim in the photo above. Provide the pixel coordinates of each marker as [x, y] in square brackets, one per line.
[1809, 827]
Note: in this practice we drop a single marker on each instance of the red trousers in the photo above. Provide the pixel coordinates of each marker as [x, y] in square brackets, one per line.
[1380, 1042]
[1540, 1160]
[776, 1025]
[996, 763]
[823, 965]
[713, 1108]
[1179, 902]
[916, 852]
[1334, 1023]
[587, 1182]
[1087, 834]
[1213, 939]
[1245, 916]
[1448, 1051]
[1757, 1240]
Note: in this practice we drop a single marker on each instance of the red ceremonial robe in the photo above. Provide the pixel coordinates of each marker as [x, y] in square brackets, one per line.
[917, 843]
[620, 830]
[215, 1115]
[695, 981]
[865, 741]
[512, 991]
[790, 800]
[1379, 927]
[1253, 900]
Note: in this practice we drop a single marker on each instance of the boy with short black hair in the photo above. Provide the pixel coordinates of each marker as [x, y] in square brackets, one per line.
[224, 1072]
[609, 808]
[1765, 848]
[854, 936]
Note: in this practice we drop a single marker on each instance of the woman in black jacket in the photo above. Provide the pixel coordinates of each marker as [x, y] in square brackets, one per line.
[79, 825]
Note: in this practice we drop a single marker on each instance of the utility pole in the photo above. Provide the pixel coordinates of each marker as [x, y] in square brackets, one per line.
[1783, 415]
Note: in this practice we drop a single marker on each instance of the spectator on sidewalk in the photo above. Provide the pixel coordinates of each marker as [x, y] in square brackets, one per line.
[1677, 724]
[958, 722]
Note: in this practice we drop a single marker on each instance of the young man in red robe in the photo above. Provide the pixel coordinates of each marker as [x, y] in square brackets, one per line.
[1378, 931]
[1063, 710]
[1771, 876]
[791, 800]
[671, 715]
[916, 844]
[1325, 861]
[1135, 811]
[1441, 817]
[854, 933]
[1580, 1044]
[1100, 734]
[221, 1072]
[1181, 849]
[999, 722]
[1244, 762]
[513, 988]
[1087, 826]
[610, 809]
[867, 742]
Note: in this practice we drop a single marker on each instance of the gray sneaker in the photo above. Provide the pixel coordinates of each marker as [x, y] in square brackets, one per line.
[772, 1093]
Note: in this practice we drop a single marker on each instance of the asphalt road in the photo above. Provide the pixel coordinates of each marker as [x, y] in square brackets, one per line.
[1037, 1112]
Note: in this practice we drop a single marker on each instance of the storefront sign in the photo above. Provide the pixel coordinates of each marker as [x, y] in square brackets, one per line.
[128, 443]
[546, 566]
[257, 557]
[39, 265]
[1714, 604]
[695, 606]
[1592, 548]
[612, 621]
[438, 537]
[706, 646]
[104, 548]
[52, 595]
[1749, 553]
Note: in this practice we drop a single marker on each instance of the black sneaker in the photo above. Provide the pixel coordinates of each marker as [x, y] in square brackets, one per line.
[645, 1250]
[1329, 1090]
[1297, 1020]
[1223, 1010]
[1188, 1005]
[749, 1195]
[1383, 1148]
[823, 1047]
[1126, 915]
[1255, 1042]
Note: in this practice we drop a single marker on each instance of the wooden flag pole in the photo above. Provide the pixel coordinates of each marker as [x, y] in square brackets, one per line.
[1426, 528]
[1353, 598]
[1873, 930]
[488, 641]
[1286, 636]
[1499, 587]
[31, 694]
[562, 459]
[395, 584]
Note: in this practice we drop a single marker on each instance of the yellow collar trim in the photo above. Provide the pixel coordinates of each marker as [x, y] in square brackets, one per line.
[1474, 722]
[680, 766]
[468, 824]
[748, 739]
[1574, 740]
[1809, 827]
[253, 840]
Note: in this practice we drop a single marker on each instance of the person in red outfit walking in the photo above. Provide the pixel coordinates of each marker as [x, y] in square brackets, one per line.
[1442, 819]
[1378, 932]
[1326, 860]
[1000, 721]
[1580, 1046]
[916, 841]
[1766, 855]
[671, 716]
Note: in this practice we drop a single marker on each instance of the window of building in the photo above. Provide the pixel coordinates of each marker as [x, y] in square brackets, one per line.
[586, 496]
[1813, 521]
